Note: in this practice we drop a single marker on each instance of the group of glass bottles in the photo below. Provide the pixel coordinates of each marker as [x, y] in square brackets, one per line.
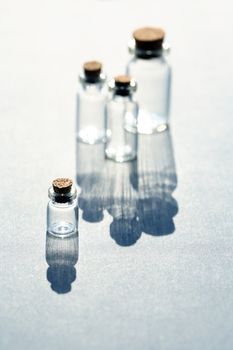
[137, 102]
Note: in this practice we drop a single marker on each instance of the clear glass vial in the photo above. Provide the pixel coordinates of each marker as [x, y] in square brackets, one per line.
[62, 210]
[153, 74]
[122, 113]
[91, 103]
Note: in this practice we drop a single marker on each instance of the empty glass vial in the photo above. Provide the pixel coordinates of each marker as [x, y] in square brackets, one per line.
[122, 113]
[91, 103]
[62, 211]
[153, 75]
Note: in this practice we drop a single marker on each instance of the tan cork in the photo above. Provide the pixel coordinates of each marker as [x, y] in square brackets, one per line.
[148, 34]
[149, 38]
[92, 66]
[62, 185]
[122, 80]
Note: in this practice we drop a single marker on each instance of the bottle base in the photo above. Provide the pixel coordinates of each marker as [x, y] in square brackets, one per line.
[91, 136]
[150, 123]
[62, 229]
[120, 156]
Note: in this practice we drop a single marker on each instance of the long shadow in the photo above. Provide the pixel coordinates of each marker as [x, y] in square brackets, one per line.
[61, 256]
[106, 185]
[137, 194]
[157, 180]
[122, 202]
[90, 162]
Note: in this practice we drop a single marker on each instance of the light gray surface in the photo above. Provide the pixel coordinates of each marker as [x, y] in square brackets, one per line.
[164, 292]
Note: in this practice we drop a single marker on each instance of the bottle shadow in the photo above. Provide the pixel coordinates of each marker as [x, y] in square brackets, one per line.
[122, 202]
[61, 256]
[137, 194]
[157, 180]
[89, 176]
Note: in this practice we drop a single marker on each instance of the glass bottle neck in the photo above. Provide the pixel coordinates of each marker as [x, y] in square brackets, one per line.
[122, 98]
[62, 204]
[92, 85]
[62, 199]
[147, 55]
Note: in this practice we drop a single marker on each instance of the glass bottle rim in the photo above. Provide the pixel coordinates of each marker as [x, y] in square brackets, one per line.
[101, 80]
[132, 87]
[166, 49]
[64, 198]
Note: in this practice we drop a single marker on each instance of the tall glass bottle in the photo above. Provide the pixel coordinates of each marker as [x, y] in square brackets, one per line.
[122, 113]
[91, 103]
[153, 74]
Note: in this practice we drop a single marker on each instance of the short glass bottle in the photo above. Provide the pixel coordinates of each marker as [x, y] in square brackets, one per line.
[91, 104]
[153, 74]
[62, 210]
[122, 113]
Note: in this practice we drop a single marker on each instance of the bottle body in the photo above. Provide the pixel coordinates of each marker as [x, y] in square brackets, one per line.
[153, 75]
[62, 218]
[91, 116]
[122, 114]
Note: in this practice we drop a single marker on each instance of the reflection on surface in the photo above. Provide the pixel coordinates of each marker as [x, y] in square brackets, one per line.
[137, 194]
[61, 256]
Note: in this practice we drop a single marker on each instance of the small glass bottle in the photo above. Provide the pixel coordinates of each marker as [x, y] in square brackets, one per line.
[153, 74]
[122, 113]
[62, 211]
[91, 103]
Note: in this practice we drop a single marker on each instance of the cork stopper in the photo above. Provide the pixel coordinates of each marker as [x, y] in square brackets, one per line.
[122, 85]
[62, 185]
[149, 38]
[92, 70]
[122, 80]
